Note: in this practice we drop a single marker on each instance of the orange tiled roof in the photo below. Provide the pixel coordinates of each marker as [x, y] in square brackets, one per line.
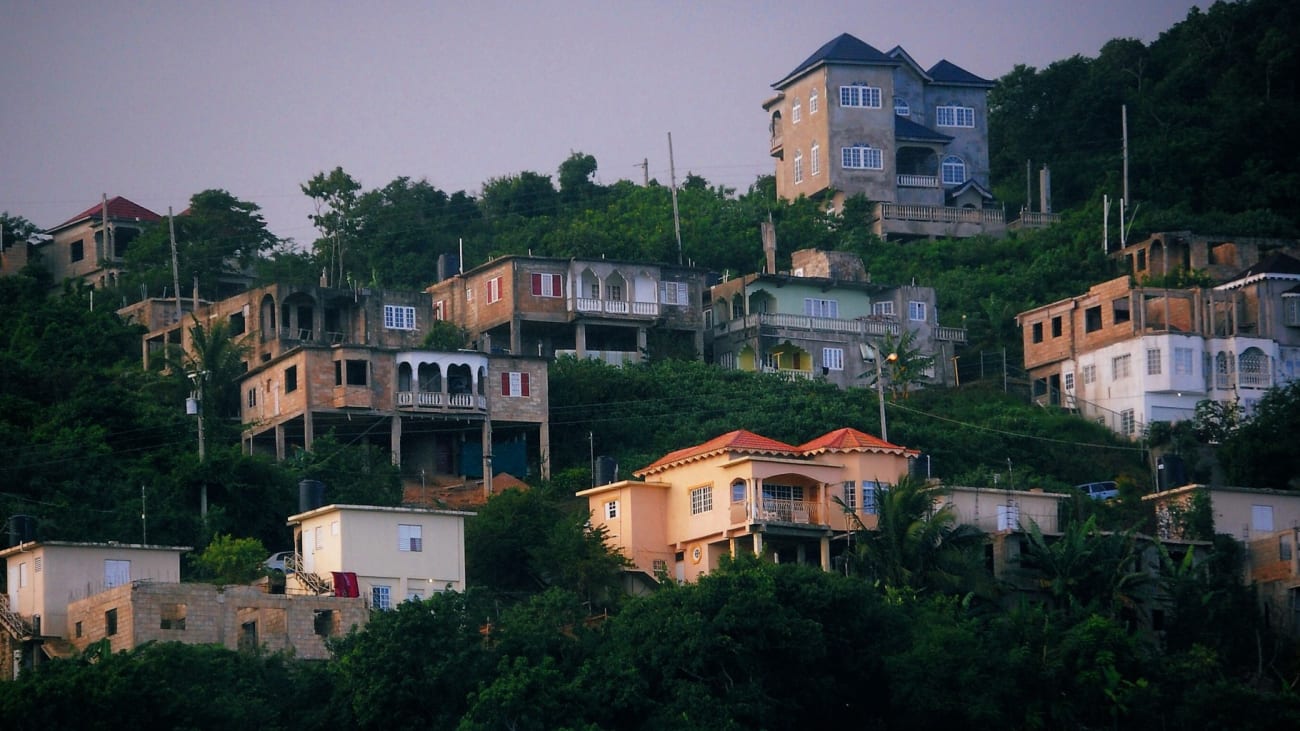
[845, 439]
[118, 207]
[734, 441]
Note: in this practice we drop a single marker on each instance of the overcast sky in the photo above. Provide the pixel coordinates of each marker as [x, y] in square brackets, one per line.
[156, 101]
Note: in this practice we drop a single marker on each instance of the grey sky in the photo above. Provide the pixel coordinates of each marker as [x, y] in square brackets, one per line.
[156, 101]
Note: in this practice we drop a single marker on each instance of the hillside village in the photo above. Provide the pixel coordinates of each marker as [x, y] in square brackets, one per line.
[474, 407]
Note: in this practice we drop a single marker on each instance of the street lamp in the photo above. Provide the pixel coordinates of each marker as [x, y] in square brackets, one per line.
[872, 353]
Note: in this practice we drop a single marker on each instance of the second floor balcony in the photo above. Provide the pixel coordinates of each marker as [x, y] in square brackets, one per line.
[614, 307]
[441, 402]
[774, 320]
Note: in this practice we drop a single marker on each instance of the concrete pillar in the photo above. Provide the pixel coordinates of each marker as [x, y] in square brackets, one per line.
[544, 447]
[516, 336]
[580, 340]
[826, 553]
[641, 340]
[758, 544]
[279, 442]
[395, 438]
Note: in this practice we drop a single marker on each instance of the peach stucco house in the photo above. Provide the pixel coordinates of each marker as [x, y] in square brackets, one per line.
[745, 492]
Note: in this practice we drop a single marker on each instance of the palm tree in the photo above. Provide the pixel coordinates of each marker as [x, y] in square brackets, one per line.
[904, 364]
[215, 364]
[917, 547]
[1086, 570]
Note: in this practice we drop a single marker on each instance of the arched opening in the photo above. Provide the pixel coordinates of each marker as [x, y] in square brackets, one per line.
[460, 380]
[953, 170]
[482, 380]
[616, 288]
[430, 378]
[590, 284]
[404, 377]
[266, 318]
[916, 161]
[1253, 368]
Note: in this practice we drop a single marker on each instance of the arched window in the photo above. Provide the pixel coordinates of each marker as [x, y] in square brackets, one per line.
[482, 379]
[798, 166]
[1253, 368]
[404, 377]
[816, 154]
[901, 107]
[813, 102]
[954, 170]
[737, 490]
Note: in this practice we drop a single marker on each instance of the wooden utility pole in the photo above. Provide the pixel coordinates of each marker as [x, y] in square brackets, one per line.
[672, 176]
[176, 274]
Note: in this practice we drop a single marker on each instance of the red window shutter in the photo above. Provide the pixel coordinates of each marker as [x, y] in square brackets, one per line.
[558, 285]
[523, 384]
[537, 285]
[505, 384]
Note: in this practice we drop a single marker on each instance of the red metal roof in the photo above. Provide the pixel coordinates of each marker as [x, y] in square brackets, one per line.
[734, 441]
[118, 208]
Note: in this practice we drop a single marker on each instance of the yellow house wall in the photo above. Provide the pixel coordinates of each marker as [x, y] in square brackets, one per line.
[640, 530]
[69, 573]
[366, 543]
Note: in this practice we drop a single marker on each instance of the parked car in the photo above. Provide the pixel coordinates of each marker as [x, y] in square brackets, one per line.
[282, 562]
[1106, 490]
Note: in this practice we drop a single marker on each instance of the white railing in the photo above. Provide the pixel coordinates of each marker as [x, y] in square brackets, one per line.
[806, 322]
[951, 334]
[918, 181]
[789, 373]
[614, 307]
[787, 511]
[437, 400]
[941, 214]
[1032, 219]
[612, 357]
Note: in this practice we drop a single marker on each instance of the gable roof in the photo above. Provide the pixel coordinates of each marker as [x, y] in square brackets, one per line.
[899, 53]
[1276, 263]
[733, 441]
[906, 129]
[843, 49]
[847, 440]
[949, 73]
[971, 184]
[119, 209]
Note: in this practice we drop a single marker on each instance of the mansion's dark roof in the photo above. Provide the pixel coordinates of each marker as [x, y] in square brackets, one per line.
[906, 129]
[843, 49]
[946, 72]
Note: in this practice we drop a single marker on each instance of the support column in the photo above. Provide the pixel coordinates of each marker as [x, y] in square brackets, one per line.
[580, 340]
[279, 442]
[758, 544]
[826, 553]
[308, 430]
[544, 447]
[641, 340]
[395, 439]
[516, 336]
[800, 554]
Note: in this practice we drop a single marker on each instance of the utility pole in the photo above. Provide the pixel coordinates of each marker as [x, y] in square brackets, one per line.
[645, 171]
[677, 222]
[176, 275]
[1123, 113]
[144, 525]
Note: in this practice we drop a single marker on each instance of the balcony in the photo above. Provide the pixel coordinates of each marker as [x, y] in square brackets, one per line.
[918, 181]
[879, 327]
[441, 402]
[357, 397]
[789, 374]
[950, 334]
[779, 510]
[612, 357]
[1031, 219]
[617, 308]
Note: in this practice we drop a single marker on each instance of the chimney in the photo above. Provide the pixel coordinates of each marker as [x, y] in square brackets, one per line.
[768, 230]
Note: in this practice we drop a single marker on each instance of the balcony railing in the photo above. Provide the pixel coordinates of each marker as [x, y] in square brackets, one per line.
[789, 374]
[778, 510]
[859, 326]
[918, 181]
[439, 400]
[950, 334]
[614, 307]
[1030, 219]
[941, 214]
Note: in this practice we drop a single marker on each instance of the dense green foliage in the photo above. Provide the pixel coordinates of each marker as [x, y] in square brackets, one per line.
[913, 634]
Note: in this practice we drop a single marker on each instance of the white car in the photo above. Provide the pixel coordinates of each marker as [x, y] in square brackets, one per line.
[282, 562]
[1107, 490]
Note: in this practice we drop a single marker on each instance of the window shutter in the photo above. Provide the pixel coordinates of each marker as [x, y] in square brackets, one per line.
[537, 285]
[505, 384]
[523, 384]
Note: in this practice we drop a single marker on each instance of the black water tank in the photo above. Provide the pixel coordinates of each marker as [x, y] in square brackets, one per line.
[311, 495]
[918, 467]
[448, 266]
[22, 529]
[1172, 472]
[606, 470]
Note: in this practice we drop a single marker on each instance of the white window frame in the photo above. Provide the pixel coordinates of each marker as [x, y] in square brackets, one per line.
[514, 384]
[861, 157]
[883, 309]
[1127, 421]
[494, 290]
[860, 96]
[833, 358]
[674, 293]
[738, 490]
[1089, 374]
[1184, 362]
[815, 307]
[1069, 381]
[611, 509]
[1121, 366]
[814, 102]
[798, 166]
[916, 311]
[953, 170]
[701, 500]
[381, 597]
[1261, 518]
[869, 489]
[410, 538]
[1153, 361]
[116, 572]
[952, 115]
[796, 111]
[815, 164]
[546, 284]
[901, 107]
[399, 317]
[851, 495]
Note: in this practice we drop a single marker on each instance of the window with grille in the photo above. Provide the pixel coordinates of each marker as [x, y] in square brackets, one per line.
[399, 317]
[701, 500]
